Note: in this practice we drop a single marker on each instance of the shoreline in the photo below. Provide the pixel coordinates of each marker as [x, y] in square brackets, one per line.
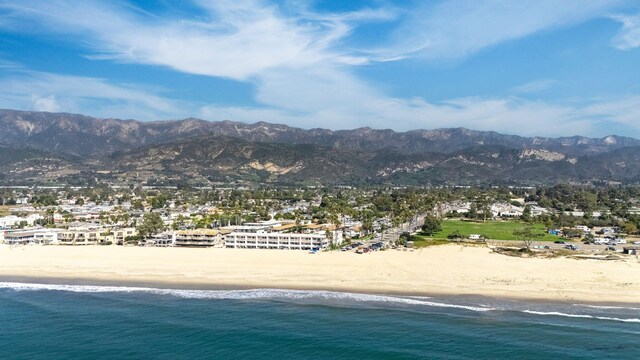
[445, 271]
[196, 286]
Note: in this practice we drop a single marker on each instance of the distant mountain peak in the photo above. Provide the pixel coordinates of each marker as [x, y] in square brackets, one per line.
[262, 148]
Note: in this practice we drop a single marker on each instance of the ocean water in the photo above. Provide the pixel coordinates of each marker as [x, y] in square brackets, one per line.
[41, 321]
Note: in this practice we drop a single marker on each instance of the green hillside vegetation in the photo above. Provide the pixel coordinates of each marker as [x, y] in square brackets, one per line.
[494, 230]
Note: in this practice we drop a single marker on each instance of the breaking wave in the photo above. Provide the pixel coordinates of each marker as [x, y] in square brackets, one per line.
[311, 296]
[252, 294]
[608, 307]
[585, 316]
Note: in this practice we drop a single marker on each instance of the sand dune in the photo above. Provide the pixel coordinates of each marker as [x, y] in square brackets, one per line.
[450, 269]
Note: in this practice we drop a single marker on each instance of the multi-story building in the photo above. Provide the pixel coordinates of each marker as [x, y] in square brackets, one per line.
[242, 238]
[120, 235]
[83, 235]
[31, 236]
[199, 238]
[94, 234]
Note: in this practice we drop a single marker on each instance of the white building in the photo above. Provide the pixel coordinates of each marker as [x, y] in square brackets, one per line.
[93, 234]
[279, 240]
[81, 236]
[506, 210]
[538, 210]
[456, 207]
[165, 239]
[121, 234]
[31, 237]
[9, 221]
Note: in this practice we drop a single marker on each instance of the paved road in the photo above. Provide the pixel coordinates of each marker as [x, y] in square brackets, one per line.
[411, 226]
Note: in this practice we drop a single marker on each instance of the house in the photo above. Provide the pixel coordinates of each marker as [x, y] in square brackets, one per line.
[164, 239]
[10, 220]
[120, 235]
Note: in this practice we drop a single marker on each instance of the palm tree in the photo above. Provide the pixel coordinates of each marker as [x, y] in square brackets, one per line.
[334, 219]
[50, 212]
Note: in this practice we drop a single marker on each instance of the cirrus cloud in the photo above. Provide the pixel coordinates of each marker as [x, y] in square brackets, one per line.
[301, 63]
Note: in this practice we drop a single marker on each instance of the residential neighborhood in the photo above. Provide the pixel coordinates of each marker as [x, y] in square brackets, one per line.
[310, 219]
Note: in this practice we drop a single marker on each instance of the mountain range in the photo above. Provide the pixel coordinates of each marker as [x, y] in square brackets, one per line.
[61, 147]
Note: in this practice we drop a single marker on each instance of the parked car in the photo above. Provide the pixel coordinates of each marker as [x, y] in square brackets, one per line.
[558, 242]
[610, 248]
[570, 247]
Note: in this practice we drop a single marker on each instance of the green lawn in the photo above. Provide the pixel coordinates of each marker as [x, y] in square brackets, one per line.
[420, 241]
[494, 230]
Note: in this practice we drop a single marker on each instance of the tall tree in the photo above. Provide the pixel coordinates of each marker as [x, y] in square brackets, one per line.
[151, 224]
[528, 235]
[432, 225]
[526, 214]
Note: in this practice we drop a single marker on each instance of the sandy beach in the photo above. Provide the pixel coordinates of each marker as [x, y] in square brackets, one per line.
[450, 270]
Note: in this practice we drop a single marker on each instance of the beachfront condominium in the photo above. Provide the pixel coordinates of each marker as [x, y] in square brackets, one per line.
[94, 235]
[31, 237]
[264, 237]
[199, 238]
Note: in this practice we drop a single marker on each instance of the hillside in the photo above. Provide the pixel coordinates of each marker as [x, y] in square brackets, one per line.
[86, 136]
[37, 146]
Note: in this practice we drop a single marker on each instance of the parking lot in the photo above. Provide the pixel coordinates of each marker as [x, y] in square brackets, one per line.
[563, 244]
[362, 247]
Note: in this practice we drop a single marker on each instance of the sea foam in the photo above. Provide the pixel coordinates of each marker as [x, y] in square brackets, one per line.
[313, 296]
[585, 316]
[252, 294]
[608, 307]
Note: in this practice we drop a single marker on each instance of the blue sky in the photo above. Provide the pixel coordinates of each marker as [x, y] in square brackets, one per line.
[539, 67]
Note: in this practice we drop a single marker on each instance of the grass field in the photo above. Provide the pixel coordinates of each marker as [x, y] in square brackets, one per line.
[421, 241]
[494, 230]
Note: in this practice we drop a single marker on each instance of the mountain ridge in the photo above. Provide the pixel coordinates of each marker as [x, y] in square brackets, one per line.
[87, 136]
[37, 146]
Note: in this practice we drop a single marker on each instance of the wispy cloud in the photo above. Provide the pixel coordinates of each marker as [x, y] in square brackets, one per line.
[31, 90]
[301, 65]
[535, 86]
[511, 115]
[232, 39]
[98, 97]
[629, 36]
[622, 111]
[459, 28]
